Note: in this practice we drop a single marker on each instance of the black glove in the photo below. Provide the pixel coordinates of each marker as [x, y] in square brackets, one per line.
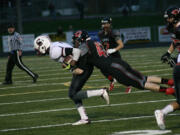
[165, 57]
[172, 61]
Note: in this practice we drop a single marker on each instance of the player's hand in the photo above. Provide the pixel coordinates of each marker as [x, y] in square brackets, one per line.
[110, 51]
[78, 71]
[20, 53]
[165, 57]
[66, 66]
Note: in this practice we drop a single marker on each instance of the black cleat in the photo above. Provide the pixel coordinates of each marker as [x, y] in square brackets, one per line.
[35, 78]
[7, 82]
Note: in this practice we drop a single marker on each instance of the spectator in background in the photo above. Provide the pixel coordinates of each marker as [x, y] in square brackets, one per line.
[125, 10]
[51, 8]
[59, 36]
[80, 6]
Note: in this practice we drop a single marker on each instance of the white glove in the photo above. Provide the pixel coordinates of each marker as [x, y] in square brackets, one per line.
[109, 51]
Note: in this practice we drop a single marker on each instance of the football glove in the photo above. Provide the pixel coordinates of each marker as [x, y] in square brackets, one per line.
[109, 51]
[165, 57]
[172, 61]
[67, 66]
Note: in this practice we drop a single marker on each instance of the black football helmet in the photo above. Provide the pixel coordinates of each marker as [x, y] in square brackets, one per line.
[106, 20]
[80, 35]
[172, 12]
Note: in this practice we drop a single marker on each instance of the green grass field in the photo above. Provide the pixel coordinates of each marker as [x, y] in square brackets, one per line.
[45, 109]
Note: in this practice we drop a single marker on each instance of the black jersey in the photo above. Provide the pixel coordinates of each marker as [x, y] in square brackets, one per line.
[97, 55]
[109, 39]
[176, 37]
[116, 67]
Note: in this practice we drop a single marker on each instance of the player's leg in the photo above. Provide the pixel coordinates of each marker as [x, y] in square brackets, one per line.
[77, 95]
[160, 114]
[128, 76]
[110, 78]
[176, 77]
[78, 82]
[9, 69]
[122, 72]
[159, 80]
[157, 88]
[20, 64]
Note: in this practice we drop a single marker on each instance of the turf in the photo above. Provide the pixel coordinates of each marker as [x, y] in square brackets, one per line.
[45, 109]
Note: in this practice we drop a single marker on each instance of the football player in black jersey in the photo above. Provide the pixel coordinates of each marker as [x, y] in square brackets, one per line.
[117, 68]
[111, 41]
[172, 16]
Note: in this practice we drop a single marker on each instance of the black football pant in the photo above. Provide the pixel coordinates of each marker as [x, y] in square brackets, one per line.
[126, 75]
[15, 59]
[176, 77]
[106, 74]
[77, 83]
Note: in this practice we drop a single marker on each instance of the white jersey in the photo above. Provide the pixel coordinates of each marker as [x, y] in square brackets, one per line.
[57, 50]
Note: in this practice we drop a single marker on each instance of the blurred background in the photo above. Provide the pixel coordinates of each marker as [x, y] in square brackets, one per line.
[45, 16]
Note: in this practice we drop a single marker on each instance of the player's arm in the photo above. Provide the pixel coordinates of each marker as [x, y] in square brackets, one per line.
[19, 39]
[167, 55]
[75, 52]
[120, 44]
[118, 41]
[58, 54]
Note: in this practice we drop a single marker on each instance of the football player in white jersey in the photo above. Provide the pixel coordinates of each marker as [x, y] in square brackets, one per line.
[59, 51]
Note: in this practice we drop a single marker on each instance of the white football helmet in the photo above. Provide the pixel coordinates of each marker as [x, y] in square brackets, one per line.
[42, 43]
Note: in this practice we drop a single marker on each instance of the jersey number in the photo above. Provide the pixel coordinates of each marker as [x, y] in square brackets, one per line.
[100, 49]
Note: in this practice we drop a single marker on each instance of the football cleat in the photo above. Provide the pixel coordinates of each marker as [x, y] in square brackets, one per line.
[105, 96]
[81, 122]
[170, 91]
[170, 82]
[111, 86]
[159, 119]
[7, 82]
[128, 89]
[35, 78]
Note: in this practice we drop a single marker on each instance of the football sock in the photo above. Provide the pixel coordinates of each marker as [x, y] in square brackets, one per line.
[110, 78]
[167, 109]
[162, 89]
[92, 93]
[82, 113]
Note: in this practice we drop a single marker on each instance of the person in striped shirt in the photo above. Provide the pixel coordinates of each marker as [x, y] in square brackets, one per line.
[15, 42]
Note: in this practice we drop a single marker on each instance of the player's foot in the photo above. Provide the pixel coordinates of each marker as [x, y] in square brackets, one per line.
[7, 82]
[35, 78]
[105, 96]
[128, 89]
[159, 119]
[170, 91]
[111, 86]
[81, 122]
[170, 82]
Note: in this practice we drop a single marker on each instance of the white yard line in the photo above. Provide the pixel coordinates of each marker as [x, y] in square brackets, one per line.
[65, 98]
[58, 68]
[69, 124]
[89, 107]
[45, 84]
